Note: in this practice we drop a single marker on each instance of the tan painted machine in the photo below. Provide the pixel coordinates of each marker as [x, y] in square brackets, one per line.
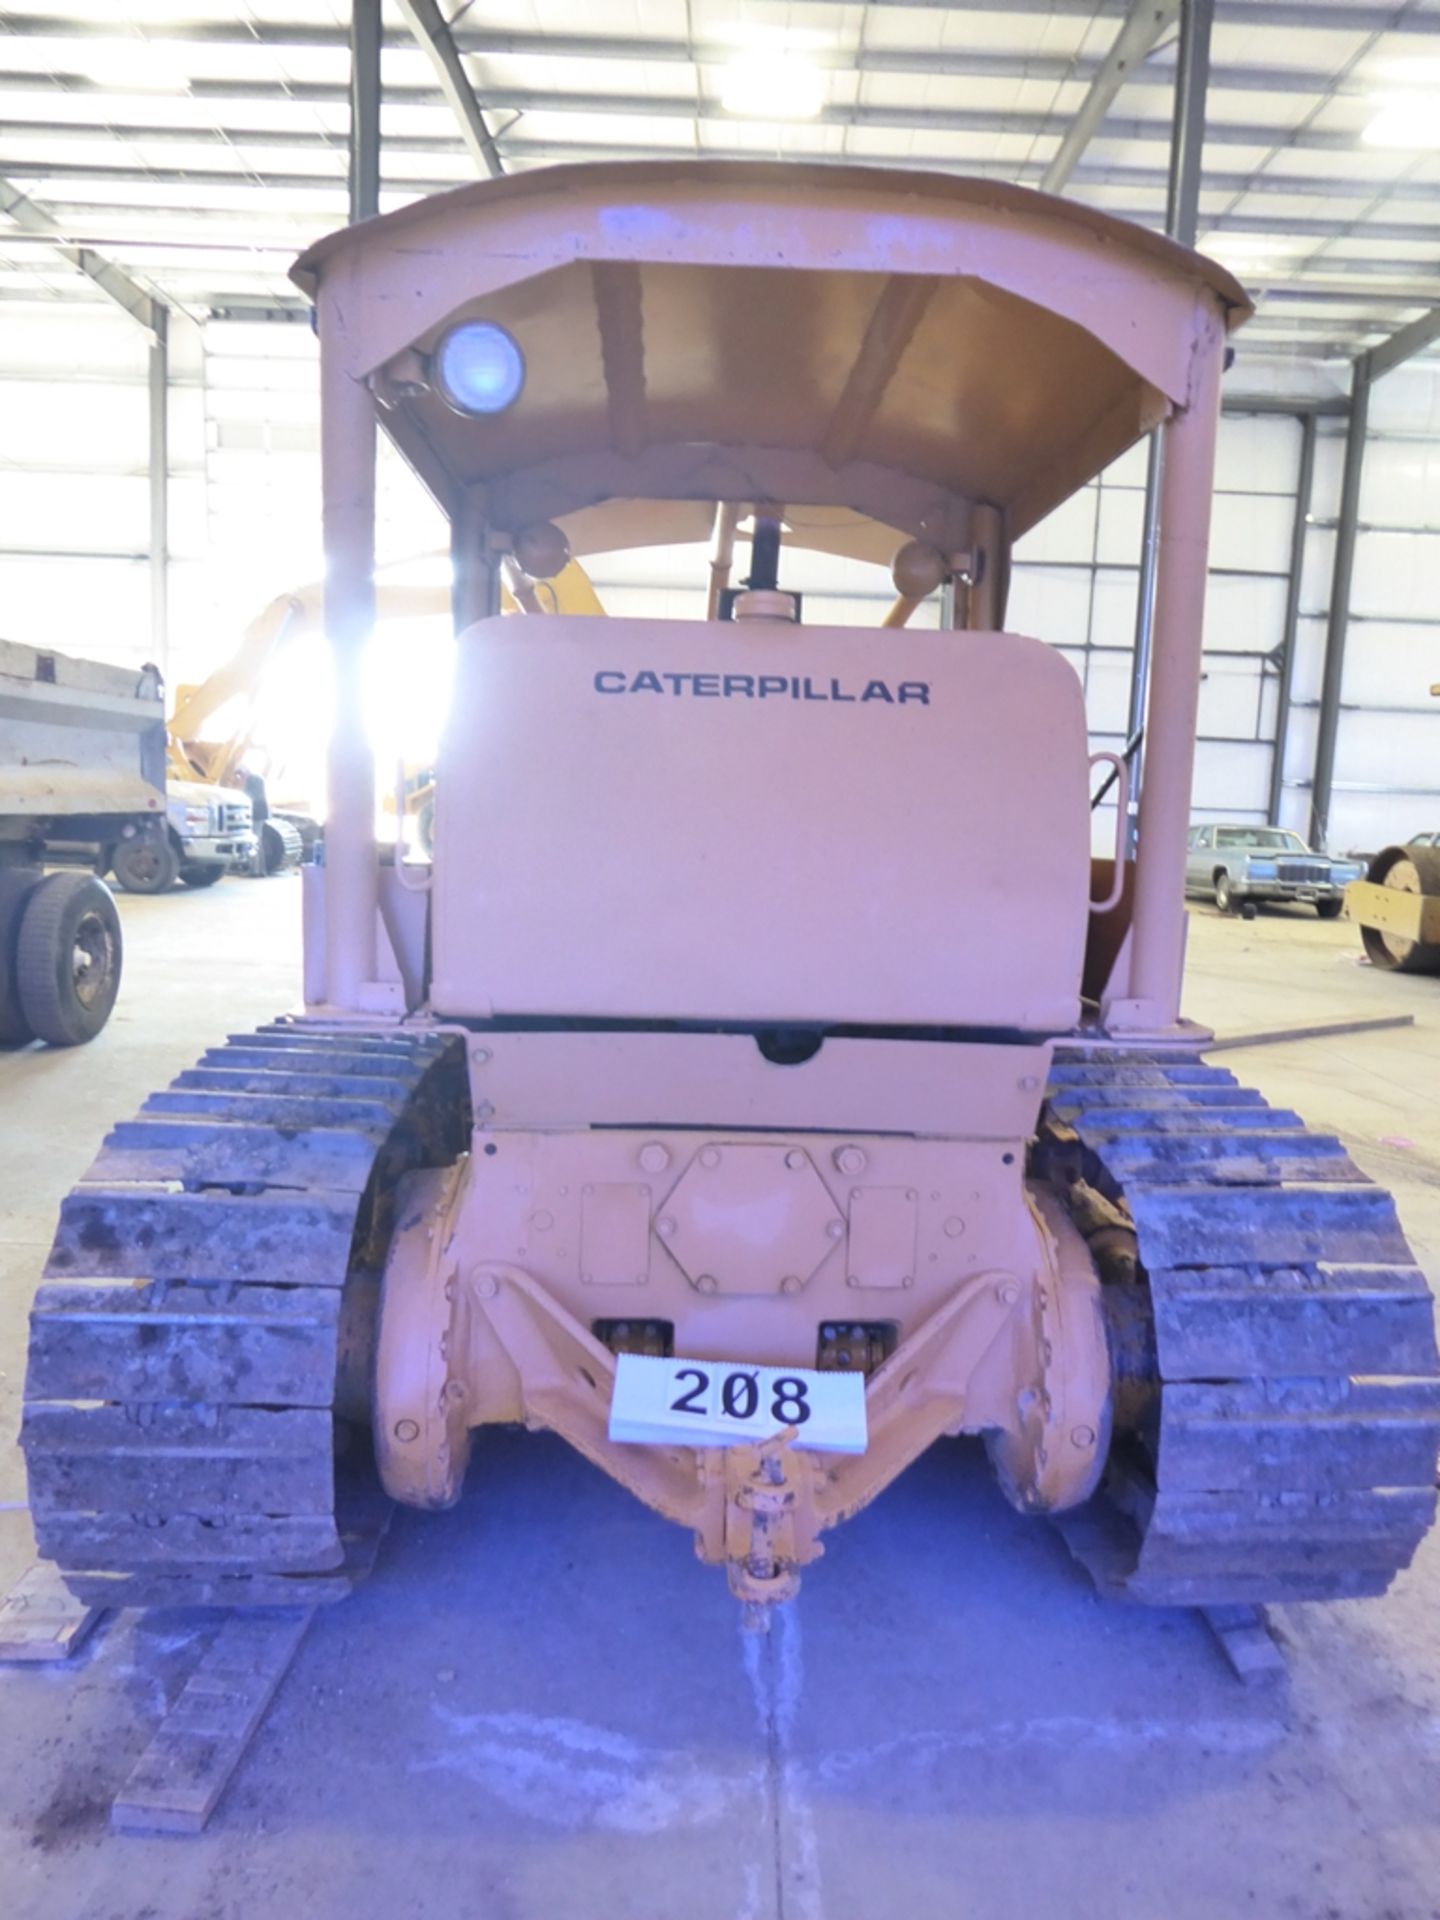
[752, 1066]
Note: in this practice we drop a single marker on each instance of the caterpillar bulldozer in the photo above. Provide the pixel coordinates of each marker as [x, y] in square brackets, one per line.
[761, 1081]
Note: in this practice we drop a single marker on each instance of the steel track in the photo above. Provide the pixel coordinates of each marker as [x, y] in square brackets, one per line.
[179, 1423]
[1280, 1387]
[1277, 1343]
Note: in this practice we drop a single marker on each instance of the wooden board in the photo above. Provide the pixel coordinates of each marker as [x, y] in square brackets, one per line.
[1412, 916]
[178, 1780]
[1247, 1642]
[40, 1620]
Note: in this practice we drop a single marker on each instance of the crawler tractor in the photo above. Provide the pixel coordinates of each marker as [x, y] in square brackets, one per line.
[761, 1044]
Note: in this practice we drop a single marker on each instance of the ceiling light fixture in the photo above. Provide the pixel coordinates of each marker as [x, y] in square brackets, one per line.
[135, 65]
[770, 86]
[1409, 120]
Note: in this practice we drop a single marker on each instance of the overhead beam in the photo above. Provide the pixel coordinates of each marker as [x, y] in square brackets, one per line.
[1140, 180]
[1140, 33]
[110, 279]
[1405, 344]
[483, 39]
[364, 110]
[520, 100]
[1187, 138]
[430, 29]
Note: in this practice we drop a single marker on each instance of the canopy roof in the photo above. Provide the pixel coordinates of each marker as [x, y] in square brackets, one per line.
[887, 348]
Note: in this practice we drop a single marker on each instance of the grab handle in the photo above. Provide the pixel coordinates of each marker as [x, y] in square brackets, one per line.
[1120, 777]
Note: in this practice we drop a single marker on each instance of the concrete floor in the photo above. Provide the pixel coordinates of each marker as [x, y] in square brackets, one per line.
[542, 1708]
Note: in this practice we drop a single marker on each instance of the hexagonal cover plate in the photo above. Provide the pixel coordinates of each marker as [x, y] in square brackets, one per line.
[750, 1217]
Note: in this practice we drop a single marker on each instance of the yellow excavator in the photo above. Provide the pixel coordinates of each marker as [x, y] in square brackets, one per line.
[287, 834]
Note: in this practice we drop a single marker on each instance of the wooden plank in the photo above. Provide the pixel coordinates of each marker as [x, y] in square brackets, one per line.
[1247, 1641]
[178, 1780]
[215, 1464]
[233, 1153]
[135, 1345]
[41, 1620]
[1412, 916]
[126, 1235]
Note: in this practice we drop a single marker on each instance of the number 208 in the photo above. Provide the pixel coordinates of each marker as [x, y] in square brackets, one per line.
[740, 1396]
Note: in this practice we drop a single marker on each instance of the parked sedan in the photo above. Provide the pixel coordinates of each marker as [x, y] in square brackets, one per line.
[1237, 866]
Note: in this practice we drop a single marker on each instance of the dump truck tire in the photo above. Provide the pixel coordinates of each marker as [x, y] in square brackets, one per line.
[201, 876]
[68, 958]
[16, 886]
[146, 866]
[1414, 870]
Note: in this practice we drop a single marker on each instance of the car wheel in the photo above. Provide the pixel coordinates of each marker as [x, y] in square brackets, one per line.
[1329, 909]
[1224, 898]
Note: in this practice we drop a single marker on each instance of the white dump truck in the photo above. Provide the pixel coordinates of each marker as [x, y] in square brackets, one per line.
[211, 833]
[82, 767]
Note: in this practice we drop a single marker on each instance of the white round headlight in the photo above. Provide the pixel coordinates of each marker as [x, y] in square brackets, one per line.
[479, 368]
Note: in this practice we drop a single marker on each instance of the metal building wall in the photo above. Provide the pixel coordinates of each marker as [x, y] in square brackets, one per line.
[1387, 760]
[74, 486]
[1076, 580]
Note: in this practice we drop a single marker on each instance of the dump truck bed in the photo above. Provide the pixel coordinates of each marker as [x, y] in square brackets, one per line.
[79, 740]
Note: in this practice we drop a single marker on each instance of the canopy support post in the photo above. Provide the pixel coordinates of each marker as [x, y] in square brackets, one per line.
[347, 462]
[1187, 479]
